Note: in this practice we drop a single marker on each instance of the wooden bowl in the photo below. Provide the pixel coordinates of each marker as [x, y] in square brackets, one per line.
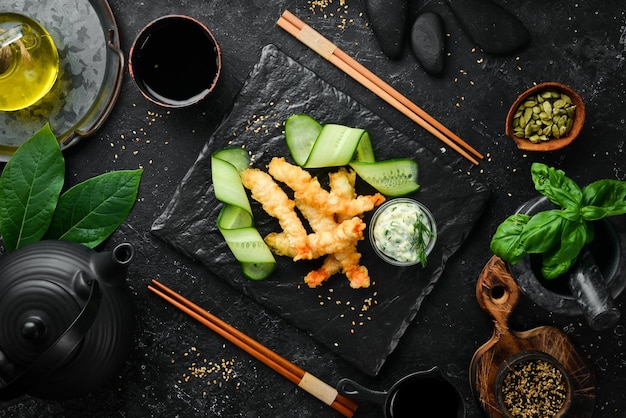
[553, 143]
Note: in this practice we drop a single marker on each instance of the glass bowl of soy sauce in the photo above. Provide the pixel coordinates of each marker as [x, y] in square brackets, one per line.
[175, 61]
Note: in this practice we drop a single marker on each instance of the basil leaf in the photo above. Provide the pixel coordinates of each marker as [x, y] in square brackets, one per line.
[543, 231]
[573, 239]
[551, 269]
[593, 213]
[91, 211]
[604, 198]
[556, 186]
[29, 189]
[506, 242]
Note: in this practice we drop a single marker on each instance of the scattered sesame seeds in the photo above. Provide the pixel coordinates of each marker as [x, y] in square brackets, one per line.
[136, 136]
[213, 372]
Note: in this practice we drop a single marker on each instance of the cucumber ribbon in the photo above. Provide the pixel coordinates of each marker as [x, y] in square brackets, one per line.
[235, 221]
[313, 145]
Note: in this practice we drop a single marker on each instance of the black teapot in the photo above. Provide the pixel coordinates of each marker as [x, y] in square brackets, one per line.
[66, 319]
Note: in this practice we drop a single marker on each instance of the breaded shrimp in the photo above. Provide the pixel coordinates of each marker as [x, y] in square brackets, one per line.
[357, 274]
[309, 190]
[342, 184]
[278, 205]
[320, 243]
[318, 220]
[316, 277]
[331, 241]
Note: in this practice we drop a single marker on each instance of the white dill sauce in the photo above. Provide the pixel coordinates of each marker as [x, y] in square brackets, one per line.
[403, 232]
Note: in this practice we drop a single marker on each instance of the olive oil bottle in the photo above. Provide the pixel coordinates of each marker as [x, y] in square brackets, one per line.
[29, 61]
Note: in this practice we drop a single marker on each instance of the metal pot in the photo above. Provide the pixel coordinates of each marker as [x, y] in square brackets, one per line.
[426, 393]
[66, 319]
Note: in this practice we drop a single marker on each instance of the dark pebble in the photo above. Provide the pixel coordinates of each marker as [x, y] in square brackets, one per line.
[428, 42]
[389, 21]
[494, 29]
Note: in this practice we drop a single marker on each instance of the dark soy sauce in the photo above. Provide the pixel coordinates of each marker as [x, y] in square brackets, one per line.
[177, 62]
[424, 398]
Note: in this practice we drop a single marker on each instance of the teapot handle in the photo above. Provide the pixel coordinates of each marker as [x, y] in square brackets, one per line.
[59, 351]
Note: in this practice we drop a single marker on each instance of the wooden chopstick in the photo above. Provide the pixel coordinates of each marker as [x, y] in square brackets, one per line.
[295, 374]
[318, 43]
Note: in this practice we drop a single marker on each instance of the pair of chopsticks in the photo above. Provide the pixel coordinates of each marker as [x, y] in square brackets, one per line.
[318, 43]
[295, 374]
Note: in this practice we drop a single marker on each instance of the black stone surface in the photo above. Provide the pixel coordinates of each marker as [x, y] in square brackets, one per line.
[428, 42]
[494, 28]
[582, 45]
[389, 20]
[277, 87]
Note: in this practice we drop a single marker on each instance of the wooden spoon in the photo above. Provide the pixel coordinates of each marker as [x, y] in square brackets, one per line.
[497, 294]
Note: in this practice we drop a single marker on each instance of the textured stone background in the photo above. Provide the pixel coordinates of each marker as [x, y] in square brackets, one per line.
[582, 44]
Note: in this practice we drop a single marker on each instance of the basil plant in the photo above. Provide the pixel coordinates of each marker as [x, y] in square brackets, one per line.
[558, 234]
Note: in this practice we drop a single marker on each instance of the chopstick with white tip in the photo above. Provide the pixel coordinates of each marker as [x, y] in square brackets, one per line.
[287, 369]
[325, 48]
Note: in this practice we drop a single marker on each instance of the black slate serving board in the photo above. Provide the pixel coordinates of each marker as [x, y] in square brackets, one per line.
[362, 326]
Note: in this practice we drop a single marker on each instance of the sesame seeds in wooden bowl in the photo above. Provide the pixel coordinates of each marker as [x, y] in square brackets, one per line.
[546, 117]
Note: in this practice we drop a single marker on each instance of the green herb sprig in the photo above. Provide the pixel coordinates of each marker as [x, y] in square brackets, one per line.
[32, 206]
[558, 234]
[422, 235]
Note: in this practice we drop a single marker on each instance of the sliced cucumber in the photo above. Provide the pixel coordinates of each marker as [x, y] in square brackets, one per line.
[235, 220]
[226, 182]
[335, 146]
[258, 271]
[390, 177]
[313, 145]
[301, 131]
[365, 151]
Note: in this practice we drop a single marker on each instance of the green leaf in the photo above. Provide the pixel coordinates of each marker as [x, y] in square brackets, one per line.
[562, 258]
[604, 198]
[573, 238]
[91, 211]
[556, 186]
[551, 269]
[29, 189]
[542, 232]
[506, 242]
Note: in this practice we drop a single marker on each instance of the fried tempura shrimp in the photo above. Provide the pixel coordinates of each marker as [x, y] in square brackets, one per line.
[342, 184]
[334, 240]
[334, 216]
[330, 266]
[320, 243]
[278, 205]
[309, 190]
